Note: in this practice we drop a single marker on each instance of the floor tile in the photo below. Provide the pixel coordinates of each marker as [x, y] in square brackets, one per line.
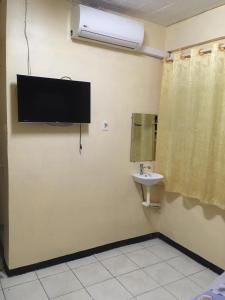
[108, 254]
[81, 262]
[119, 265]
[79, 295]
[152, 242]
[109, 290]
[184, 289]
[60, 284]
[164, 251]
[143, 258]
[204, 278]
[52, 270]
[157, 294]
[185, 265]
[27, 291]
[137, 282]
[1, 295]
[163, 273]
[15, 280]
[92, 273]
[130, 248]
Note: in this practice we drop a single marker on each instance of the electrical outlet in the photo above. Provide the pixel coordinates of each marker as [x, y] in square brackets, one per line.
[105, 125]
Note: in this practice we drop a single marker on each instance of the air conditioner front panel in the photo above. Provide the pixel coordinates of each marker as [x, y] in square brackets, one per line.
[106, 27]
[101, 21]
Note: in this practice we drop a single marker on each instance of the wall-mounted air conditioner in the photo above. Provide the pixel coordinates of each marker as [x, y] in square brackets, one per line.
[103, 27]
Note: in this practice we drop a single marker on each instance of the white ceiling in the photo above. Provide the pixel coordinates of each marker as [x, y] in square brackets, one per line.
[164, 12]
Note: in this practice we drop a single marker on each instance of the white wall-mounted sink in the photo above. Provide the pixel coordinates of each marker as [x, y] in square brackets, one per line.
[148, 179]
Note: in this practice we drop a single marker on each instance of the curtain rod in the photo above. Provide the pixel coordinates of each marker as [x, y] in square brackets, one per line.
[197, 44]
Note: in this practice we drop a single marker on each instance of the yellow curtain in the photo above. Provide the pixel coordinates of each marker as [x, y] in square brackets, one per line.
[191, 135]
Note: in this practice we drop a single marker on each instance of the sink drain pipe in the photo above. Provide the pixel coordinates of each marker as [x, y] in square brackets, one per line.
[147, 202]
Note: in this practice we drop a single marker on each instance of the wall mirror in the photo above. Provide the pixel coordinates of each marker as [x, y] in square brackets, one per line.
[143, 137]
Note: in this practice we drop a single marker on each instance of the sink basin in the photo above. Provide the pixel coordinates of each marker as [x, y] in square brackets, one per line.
[148, 179]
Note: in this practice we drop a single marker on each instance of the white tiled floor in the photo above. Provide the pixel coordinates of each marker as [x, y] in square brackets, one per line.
[60, 284]
[150, 270]
[52, 270]
[119, 265]
[93, 273]
[15, 280]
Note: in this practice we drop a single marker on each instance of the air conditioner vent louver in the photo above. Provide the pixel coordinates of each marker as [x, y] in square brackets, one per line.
[108, 39]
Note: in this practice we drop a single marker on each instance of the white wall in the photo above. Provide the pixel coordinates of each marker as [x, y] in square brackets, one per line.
[201, 28]
[60, 201]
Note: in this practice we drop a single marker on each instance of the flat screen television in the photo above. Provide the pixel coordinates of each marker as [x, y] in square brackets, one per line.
[53, 100]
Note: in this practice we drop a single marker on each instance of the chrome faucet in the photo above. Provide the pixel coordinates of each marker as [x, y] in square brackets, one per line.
[141, 169]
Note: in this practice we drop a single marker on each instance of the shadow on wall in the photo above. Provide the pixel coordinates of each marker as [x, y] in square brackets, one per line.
[40, 128]
[209, 211]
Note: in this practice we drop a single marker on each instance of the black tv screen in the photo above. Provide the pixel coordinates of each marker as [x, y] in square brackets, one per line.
[53, 100]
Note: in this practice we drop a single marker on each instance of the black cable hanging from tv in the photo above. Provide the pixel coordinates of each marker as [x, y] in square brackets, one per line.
[81, 147]
[26, 38]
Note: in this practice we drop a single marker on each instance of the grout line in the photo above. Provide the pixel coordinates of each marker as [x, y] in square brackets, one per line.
[153, 264]
[169, 292]
[80, 280]
[195, 282]
[92, 263]
[115, 277]
[159, 287]
[4, 294]
[118, 280]
[96, 255]
[185, 277]
[2, 271]
[42, 285]
[177, 255]
[123, 254]
[24, 283]
[14, 285]
[60, 272]
[68, 293]
[189, 277]
[1, 283]
[89, 285]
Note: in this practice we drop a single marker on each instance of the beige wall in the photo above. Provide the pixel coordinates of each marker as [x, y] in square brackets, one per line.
[198, 227]
[61, 202]
[3, 137]
[204, 27]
